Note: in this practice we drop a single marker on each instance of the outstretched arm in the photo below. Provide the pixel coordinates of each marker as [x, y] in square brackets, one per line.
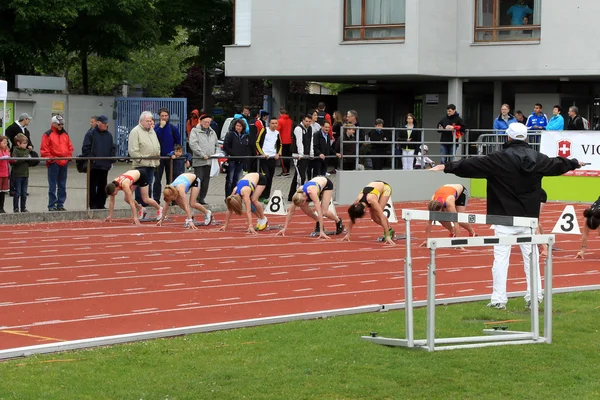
[111, 207]
[288, 219]
[132, 203]
[584, 237]
[249, 214]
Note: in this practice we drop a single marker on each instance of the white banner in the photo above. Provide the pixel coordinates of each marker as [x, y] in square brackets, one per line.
[3, 90]
[582, 145]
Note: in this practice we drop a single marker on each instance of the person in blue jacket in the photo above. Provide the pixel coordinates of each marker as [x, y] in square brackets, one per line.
[537, 121]
[168, 136]
[505, 118]
[518, 11]
[557, 122]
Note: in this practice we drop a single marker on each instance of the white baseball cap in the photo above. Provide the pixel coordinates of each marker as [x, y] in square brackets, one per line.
[517, 131]
[57, 119]
[424, 147]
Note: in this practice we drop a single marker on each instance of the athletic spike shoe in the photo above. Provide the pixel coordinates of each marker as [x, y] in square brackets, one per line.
[261, 225]
[317, 227]
[188, 222]
[142, 213]
[159, 214]
[497, 306]
[208, 217]
[339, 227]
[391, 233]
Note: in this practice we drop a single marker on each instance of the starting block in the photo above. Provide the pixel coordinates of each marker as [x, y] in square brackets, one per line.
[273, 227]
[316, 234]
[213, 222]
[147, 220]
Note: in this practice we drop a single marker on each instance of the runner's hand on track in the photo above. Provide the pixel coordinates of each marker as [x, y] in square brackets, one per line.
[252, 231]
[346, 238]
[579, 254]
[193, 226]
[281, 233]
[159, 223]
[222, 229]
[137, 222]
[388, 240]
[108, 219]
[323, 236]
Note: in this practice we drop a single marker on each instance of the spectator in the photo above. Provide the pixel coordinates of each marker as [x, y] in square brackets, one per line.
[93, 121]
[56, 143]
[268, 145]
[514, 188]
[575, 122]
[301, 147]
[518, 11]
[4, 185]
[284, 127]
[455, 128]
[204, 143]
[181, 162]
[520, 117]
[347, 144]
[338, 122]
[98, 142]
[191, 123]
[352, 119]
[322, 115]
[143, 143]
[557, 122]
[312, 165]
[379, 135]
[322, 149]
[243, 115]
[236, 144]
[537, 121]
[262, 120]
[19, 126]
[20, 172]
[413, 136]
[251, 120]
[423, 161]
[505, 118]
[168, 136]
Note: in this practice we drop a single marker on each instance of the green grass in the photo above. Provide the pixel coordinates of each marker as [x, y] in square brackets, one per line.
[326, 359]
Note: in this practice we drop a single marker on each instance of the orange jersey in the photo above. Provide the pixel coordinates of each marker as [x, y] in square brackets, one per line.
[442, 194]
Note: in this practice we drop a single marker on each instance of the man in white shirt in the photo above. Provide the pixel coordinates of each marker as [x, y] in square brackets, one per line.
[301, 147]
[269, 146]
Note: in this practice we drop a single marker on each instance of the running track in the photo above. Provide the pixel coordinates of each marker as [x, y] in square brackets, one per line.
[77, 280]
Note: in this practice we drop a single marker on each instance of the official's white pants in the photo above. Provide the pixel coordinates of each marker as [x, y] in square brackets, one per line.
[502, 259]
[408, 159]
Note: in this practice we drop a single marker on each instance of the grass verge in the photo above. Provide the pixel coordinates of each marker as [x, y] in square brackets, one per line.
[326, 359]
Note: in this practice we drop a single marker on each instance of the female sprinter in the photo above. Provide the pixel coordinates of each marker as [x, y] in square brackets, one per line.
[592, 222]
[127, 183]
[247, 192]
[177, 191]
[374, 196]
[449, 198]
[319, 190]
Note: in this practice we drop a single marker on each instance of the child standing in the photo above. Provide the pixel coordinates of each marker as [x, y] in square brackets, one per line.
[4, 153]
[20, 172]
[180, 164]
[423, 161]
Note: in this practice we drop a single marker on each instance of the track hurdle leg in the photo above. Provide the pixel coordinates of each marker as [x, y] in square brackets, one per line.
[408, 294]
[431, 301]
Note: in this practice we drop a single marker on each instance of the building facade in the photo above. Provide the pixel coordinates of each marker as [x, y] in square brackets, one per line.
[419, 55]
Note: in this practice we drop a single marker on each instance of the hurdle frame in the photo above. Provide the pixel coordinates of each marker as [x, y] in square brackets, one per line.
[495, 337]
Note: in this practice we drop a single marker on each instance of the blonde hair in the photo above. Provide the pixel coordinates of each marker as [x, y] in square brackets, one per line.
[170, 193]
[298, 198]
[435, 205]
[234, 203]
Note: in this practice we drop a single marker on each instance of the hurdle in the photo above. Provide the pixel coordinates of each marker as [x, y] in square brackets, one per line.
[494, 337]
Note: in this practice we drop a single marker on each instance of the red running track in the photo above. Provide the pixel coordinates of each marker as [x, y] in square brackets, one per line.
[77, 280]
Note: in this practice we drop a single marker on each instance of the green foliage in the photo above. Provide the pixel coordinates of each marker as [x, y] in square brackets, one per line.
[337, 87]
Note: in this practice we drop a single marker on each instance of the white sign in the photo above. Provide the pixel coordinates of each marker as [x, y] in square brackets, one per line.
[3, 90]
[276, 206]
[389, 211]
[567, 223]
[582, 145]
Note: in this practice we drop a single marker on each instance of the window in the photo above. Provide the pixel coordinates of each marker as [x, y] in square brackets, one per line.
[242, 25]
[507, 20]
[374, 19]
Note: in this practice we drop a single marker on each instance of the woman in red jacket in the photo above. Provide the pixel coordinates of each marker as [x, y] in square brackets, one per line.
[56, 143]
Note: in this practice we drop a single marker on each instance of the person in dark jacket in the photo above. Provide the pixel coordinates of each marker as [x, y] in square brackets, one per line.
[454, 126]
[347, 144]
[575, 122]
[380, 135]
[168, 136]
[301, 142]
[514, 188]
[413, 139]
[98, 142]
[19, 126]
[322, 148]
[236, 144]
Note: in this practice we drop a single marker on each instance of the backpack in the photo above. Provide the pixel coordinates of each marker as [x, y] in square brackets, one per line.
[321, 117]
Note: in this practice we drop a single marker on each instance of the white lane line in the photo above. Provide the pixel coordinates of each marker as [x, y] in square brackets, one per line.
[13, 254]
[47, 298]
[50, 263]
[337, 285]
[8, 303]
[46, 251]
[230, 299]
[134, 289]
[110, 246]
[92, 294]
[49, 240]
[88, 276]
[340, 266]
[465, 290]
[160, 268]
[125, 272]
[258, 259]
[97, 316]
[51, 322]
[368, 263]
[47, 280]
[174, 284]
[309, 269]
[246, 277]
[454, 270]
[7, 283]
[288, 256]
[82, 248]
[227, 262]
[396, 277]
[211, 280]
[144, 310]
[187, 304]
[279, 273]
[207, 250]
[196, 265]
[183, 252]
[120, 258]
[266, 294]
[154, 255]
[302, 290]
[371, 281]
[520, 282]
[85, 261]
[81, 237]
[12, 267]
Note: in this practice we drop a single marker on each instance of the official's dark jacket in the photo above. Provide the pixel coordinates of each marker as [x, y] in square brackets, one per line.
[514, 177]
[322, 145]
[97, 143]
[13, 130]
[454, 120]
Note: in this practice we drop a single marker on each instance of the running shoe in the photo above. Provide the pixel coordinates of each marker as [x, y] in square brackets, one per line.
[158, 213]
[339, 227]
[497, 306]
[528, 304]
[317, 227]
[142, 213]
[262, 224]
[188, 222]
[208, 217]
[391, 233]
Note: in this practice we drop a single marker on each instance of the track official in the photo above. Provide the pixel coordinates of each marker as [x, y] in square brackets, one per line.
[514, 175]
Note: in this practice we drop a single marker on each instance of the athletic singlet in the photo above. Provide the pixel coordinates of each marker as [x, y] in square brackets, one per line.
[309, 184]
[442, 194]
[243, 184]
[119, 180]
[366, 191]
[182, 180]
